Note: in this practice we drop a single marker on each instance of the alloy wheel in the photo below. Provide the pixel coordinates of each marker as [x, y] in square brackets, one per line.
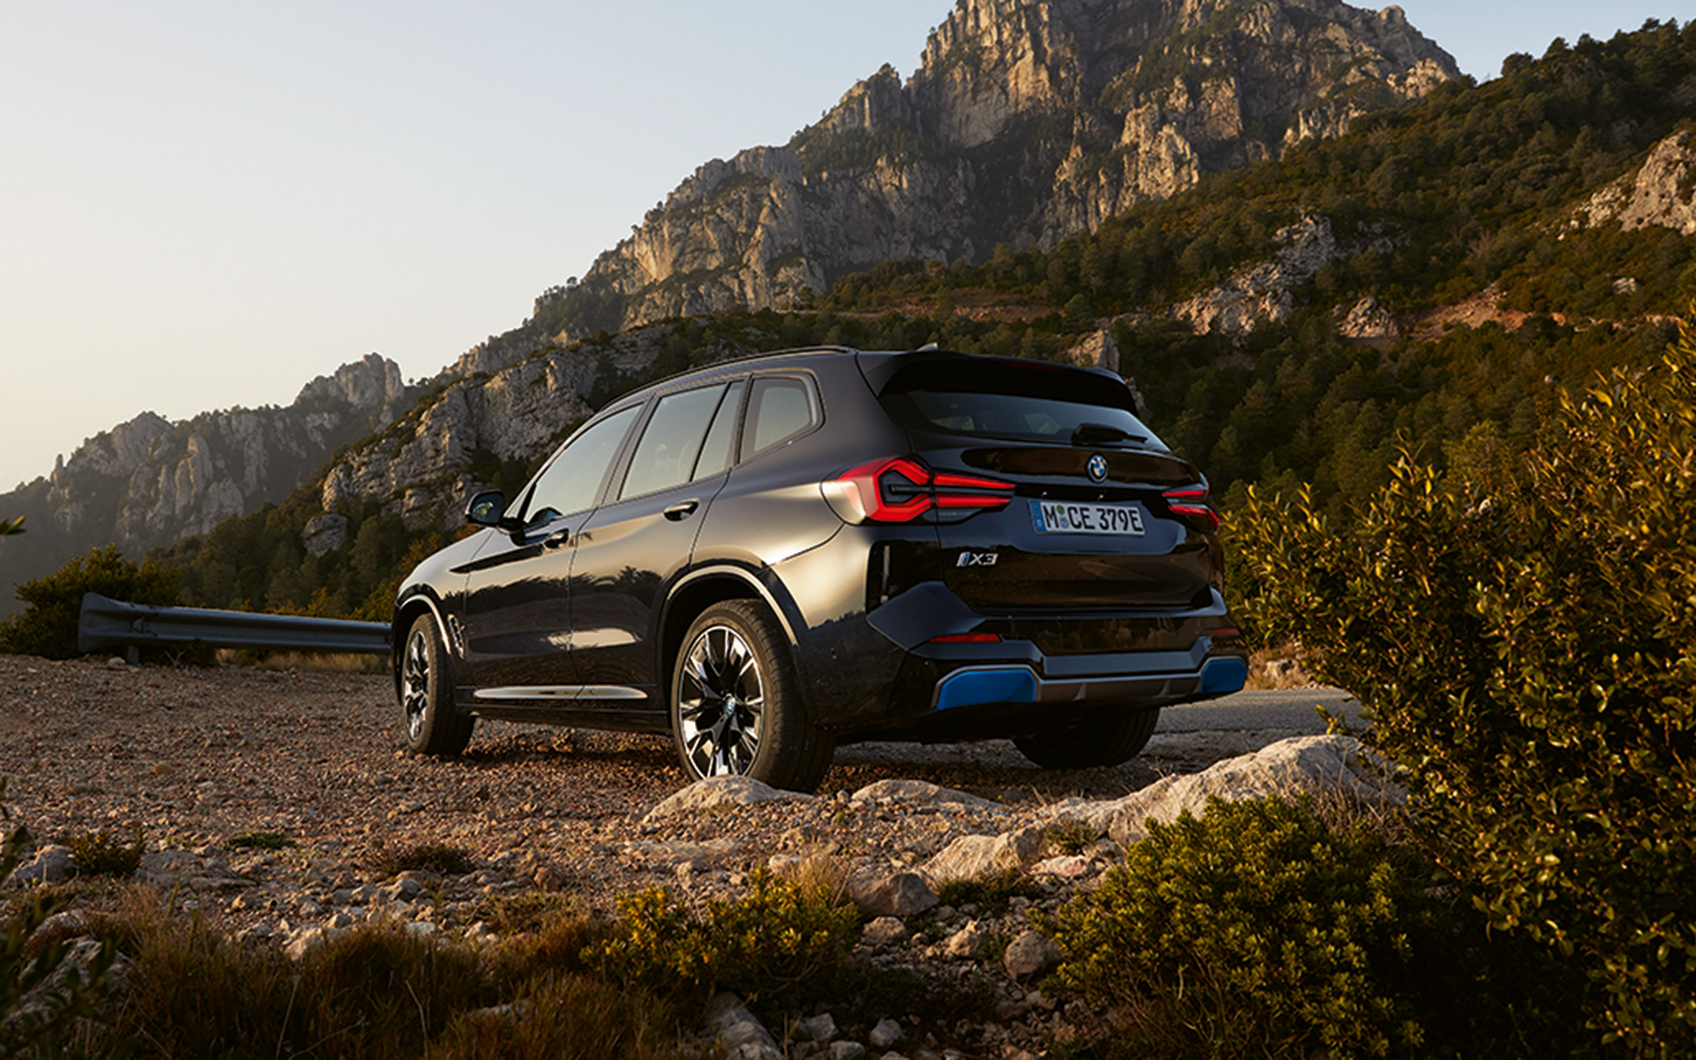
[415, 683]
[721, 703]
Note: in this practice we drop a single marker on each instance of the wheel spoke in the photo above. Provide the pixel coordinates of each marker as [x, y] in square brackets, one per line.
[696, 671]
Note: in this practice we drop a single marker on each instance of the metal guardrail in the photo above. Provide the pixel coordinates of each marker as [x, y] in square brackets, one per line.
[107, 623]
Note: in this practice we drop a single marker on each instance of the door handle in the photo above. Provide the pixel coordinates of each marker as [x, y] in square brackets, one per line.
[557, 540]
[679, 512]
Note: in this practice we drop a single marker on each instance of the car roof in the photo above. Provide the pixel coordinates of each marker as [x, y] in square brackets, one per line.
[877, 365]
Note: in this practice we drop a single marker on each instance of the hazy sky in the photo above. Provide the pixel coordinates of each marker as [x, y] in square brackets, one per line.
[206, 204]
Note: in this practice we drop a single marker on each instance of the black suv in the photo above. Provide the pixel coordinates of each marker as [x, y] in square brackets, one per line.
[769, 557]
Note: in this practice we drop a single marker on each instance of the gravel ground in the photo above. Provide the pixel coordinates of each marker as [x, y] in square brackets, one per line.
[194, 758]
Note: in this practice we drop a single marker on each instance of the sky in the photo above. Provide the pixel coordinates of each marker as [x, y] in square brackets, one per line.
[206, 204]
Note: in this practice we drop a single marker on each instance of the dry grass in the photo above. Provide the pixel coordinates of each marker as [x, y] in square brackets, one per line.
[819, 875]
[308, 662]
[374, 991]
[1276, 668]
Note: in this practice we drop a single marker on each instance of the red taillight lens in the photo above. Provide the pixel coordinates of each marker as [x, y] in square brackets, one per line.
[898, 489]
[1194, 502]
[967, 638]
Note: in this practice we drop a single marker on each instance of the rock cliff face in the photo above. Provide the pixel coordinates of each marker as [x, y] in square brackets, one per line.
[419, 467]
[1660, 194]
[1026, 122]
[149, 482]
[1265, 292]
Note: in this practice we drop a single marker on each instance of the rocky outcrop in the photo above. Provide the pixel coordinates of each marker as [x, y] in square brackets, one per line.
[150, 482]
[420, 467]
[1025, 123]
[1266, 292]
[1660, 194]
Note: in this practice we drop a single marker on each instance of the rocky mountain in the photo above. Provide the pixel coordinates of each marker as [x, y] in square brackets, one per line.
[151, 481]
[1025, 123]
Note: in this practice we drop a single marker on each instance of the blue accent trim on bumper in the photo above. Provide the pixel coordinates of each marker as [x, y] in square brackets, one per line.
[1224, 674]
[974, 688]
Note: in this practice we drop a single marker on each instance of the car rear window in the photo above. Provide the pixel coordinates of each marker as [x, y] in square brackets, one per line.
[1020, 402]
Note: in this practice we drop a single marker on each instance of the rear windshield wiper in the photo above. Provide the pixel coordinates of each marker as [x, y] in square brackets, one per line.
[1103, 434]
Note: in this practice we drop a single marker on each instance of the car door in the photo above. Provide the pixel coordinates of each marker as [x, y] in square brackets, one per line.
[639, 540]
[518, 597]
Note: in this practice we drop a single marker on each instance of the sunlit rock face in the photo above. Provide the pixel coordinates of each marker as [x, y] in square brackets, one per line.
[150, 481]
[1025, 123]
[1660, 194]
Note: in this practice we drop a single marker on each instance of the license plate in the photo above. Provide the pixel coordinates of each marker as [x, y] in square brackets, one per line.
[1062, 517]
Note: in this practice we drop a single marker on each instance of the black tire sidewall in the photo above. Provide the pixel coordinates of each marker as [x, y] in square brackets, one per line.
[445, 731]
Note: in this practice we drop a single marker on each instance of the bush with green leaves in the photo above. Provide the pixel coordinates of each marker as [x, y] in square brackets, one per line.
[1258, 930]
[48, 624]
[103, 853]
[1522, 630]
[776, 941]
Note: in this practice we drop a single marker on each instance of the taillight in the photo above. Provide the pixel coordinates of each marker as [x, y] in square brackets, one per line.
[1194, 502]
[899, 489]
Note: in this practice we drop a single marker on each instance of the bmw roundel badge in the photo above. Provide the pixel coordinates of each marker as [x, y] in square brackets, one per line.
[1097, 468]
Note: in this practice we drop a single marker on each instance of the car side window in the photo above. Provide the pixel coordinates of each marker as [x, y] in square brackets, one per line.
[715, 453]
[569, 483]
[779, 408]
[666, 452]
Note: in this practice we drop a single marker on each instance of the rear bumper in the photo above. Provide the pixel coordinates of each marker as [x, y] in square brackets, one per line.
[1148, 683]
[1043, 670]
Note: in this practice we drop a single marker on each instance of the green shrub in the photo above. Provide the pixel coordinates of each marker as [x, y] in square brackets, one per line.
[443, 858]
[992, 892]
[48, 624]
[776, 941]
[1255, 930]
[100, 853]
[1522, 632]
[259, 840]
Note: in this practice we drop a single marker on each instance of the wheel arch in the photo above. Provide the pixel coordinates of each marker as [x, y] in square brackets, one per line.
[700, 590]
[406, 613]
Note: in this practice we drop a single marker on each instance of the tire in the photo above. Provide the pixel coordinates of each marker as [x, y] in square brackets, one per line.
[736, 706]
[429, 724]
[1095, 740]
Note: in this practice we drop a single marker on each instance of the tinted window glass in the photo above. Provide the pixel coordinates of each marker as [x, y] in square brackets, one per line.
[778, 409]
[570, 482]
[1034, 402]
[670, 441]
[715, 454]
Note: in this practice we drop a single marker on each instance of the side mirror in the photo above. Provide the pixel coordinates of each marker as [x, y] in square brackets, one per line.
[486, 508]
